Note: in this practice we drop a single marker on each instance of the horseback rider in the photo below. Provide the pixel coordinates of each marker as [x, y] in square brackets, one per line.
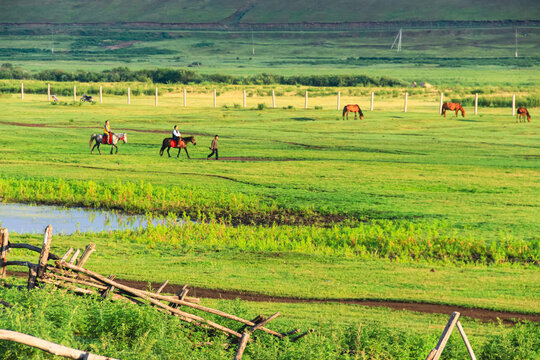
[107, 133]
[176, 136]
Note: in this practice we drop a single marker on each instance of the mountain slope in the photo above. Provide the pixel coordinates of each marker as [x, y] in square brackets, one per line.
[262, 11]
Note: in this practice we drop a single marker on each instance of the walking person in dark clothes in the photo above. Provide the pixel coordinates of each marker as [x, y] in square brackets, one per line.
[214, 149]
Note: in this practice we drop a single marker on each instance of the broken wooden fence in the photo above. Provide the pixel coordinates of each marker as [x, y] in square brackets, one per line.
[68, 272]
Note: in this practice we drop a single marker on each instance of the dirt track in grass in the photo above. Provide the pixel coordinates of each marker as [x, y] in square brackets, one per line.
[485, 315]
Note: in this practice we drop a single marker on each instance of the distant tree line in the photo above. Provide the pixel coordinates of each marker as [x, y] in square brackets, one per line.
[182, 76]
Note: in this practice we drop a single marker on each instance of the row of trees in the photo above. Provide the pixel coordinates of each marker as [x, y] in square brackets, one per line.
[175, 76]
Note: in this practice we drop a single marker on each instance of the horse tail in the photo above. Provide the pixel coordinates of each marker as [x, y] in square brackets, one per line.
[92, 139]
[528, 115]
[344, 110]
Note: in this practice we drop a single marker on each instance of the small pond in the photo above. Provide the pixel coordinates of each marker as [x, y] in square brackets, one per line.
[32, 219]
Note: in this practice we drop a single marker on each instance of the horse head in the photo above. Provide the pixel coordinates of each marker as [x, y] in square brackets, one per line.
[192, 140]
[123, 137]
[462, 110]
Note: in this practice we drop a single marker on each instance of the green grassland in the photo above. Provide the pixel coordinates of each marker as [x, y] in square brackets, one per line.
[398, 206]
[330, 51]
[480, 173]
[133, 332]
[240, 11]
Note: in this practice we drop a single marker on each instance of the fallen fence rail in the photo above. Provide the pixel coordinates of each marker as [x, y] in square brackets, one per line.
[73, 276]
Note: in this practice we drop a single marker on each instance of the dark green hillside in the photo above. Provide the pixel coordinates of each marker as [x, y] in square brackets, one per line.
[262, 11]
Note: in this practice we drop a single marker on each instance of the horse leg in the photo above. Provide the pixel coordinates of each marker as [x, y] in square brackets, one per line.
[169, 148]
[161, 151]
[116, 146]
[112, 148]
[179, 150]
[92, 151]
[98, 148]
[187, 153]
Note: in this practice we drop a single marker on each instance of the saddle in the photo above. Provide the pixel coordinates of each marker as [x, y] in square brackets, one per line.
[107, 140]
[175, 144]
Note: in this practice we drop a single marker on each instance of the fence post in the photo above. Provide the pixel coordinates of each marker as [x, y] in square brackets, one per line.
[273, 99]
[215, 102]
[244, 98]
[45, 249]
[48, 92]
[466, 341]
[74, 92]
[514, 105]
[338, 99]
[476, 104]
[22, 91]
[441, 102]
[372, 98]
[306, 102]
[100, 94]
[405, 103]
[129, 95]
[156, 96]
[4, 246]
[185, 97]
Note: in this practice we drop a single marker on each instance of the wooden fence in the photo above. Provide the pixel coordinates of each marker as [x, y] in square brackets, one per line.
[214, 97]
[69, 272]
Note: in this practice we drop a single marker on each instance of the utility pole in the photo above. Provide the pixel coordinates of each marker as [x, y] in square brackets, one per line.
[252, 44]
[516, 43]
[398, 40]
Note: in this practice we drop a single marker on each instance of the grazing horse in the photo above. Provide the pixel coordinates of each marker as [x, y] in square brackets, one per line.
[454, 107]
[170, 143]
[521, 113]
[99, 140]
[353, 108]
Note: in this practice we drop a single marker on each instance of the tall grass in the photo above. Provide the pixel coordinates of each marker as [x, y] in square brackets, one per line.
[395, 240]
[217, 211]
[128, 331]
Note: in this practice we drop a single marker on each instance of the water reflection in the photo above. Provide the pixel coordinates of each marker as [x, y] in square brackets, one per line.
[31, 219]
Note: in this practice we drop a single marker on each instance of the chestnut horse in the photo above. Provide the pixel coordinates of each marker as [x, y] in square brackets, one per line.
[353, 108]
[169, 142]
[521, 113]
[454, 107]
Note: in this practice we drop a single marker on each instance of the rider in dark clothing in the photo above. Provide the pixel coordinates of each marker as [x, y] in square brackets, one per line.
[176, 134]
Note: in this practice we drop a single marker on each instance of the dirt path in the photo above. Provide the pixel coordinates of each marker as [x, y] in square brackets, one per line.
[485, 315]
[474, 313]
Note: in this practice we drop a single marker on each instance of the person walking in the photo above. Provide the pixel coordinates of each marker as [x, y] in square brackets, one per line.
[214, 148]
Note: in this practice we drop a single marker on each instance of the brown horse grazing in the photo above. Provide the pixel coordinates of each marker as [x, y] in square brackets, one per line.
[353, 108]
[521, 113]
[170, 143]
[454, 107]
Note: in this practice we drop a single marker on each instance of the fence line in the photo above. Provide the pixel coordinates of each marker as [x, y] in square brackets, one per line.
[273, 98]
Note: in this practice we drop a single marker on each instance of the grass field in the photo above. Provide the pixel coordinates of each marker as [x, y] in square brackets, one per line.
[237, 11]
[327, 51]
[426, 208]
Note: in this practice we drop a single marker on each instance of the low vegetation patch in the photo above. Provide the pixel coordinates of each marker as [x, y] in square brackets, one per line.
[129, 331]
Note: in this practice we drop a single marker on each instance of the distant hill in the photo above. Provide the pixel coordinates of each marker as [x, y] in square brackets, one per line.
[263, 11]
